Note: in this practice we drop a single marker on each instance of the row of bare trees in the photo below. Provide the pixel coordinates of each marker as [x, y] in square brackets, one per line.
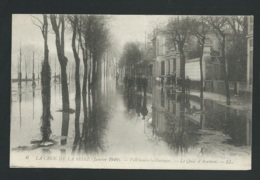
[136, 56]
[90, 34]
[132, 54]
[234, 28]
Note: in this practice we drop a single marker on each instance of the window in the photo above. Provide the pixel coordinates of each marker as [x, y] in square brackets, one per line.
[162, 68]
[174, 65]
[162, 98]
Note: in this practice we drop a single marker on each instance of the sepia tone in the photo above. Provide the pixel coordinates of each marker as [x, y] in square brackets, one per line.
[131, 91]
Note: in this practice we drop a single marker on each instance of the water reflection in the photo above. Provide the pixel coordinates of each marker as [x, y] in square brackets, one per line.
[144, 109]
[136, 99]
[20, 101]
[138, 103]
[235, 123]
[169, 120]
[33, 91]
[95, 118]
[177, 118]
[177, 122]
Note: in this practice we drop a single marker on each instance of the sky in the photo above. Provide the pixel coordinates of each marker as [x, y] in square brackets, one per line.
[123, 28]
[134, 27]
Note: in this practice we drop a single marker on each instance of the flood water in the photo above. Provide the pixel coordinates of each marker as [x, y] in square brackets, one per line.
[217, 130]
[129, 123]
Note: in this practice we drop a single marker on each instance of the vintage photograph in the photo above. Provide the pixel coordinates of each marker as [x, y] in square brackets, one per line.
[131, 91]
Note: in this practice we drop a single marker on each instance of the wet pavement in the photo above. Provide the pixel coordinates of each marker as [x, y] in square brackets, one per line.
[218, 130]
[131, 124]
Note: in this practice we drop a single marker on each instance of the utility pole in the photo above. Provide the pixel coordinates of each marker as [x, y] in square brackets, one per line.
[20, 67]
[33, 75]
[25, 63]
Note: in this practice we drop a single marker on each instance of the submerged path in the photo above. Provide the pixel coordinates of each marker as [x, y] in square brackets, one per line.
[128, 134]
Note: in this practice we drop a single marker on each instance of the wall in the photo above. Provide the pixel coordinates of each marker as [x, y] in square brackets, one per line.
[250, 51]
[192, 69]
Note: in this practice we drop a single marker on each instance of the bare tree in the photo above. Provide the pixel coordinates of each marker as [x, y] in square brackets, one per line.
[178, 31]
[84, 54]
[45, 80]
[220, 27]
[92, 41]
[74, 24]
[131, 56]
[96, 41]
[58, 26]
[237, 49]
[200, 29]
[86, 73]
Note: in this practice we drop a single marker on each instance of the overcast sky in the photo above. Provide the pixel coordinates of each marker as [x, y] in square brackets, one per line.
[123, 28]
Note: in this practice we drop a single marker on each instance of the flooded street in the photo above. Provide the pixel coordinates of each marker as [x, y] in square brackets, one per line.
[170, 91]
[131, 91]
[130, 124]
[218, 130]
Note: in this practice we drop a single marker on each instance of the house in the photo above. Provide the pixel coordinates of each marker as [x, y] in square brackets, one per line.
[167, 59]
[250, 52]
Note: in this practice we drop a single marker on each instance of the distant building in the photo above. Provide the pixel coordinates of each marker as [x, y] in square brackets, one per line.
[167, 59]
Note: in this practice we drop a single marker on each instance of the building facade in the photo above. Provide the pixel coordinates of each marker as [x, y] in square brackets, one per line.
[167, 59]
[250, 52]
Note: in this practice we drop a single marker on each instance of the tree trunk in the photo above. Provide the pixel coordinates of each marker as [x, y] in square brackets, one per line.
[226, 71]
[46, 95]
[201, 78]
[99, 79]
[65, 89]
[77, 81]
[94, 72]
[183, 96]
[89, 90]
[182, 69]
[84, 97]
[85, 78]
[85, 130]
[46, 86]
[59, 34]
